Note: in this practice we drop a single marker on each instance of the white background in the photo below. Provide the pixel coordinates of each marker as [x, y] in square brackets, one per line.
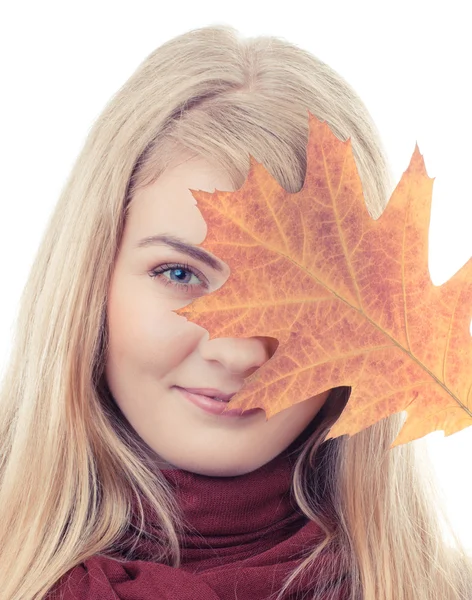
[409, 60]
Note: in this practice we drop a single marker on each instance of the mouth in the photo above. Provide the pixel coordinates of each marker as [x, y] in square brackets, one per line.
[212, 393]
[215, 405]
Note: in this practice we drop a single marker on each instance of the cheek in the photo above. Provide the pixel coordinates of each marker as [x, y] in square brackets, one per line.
[141, 334]
[284, 427]
[301, 414]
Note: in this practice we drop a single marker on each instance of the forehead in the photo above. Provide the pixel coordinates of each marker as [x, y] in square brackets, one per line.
[168, 205]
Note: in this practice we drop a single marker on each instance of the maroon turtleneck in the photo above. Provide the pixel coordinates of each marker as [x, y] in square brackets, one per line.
[247, 536]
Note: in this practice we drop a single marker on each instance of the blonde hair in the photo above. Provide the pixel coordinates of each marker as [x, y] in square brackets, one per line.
[71, 466]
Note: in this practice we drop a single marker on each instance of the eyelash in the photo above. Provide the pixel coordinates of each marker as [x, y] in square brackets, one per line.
[155, 273]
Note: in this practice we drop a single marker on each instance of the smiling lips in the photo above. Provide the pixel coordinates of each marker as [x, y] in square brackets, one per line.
[212, 393]
[215, 406]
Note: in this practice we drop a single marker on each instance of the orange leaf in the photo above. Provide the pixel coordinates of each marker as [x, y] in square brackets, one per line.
[349, 298]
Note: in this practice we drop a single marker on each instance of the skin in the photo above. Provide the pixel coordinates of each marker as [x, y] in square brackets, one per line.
[151, 349]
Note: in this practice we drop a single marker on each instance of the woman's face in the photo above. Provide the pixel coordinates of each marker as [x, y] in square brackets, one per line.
[152, 349]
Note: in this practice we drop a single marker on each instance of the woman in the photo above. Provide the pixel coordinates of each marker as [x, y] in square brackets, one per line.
[113, 483]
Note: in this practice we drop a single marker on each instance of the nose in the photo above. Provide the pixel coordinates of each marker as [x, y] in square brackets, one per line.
[241, 356]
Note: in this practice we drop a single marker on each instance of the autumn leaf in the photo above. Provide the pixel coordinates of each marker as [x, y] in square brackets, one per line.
[349, 298]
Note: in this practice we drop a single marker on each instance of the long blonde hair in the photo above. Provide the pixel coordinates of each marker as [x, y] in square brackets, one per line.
[70, 465]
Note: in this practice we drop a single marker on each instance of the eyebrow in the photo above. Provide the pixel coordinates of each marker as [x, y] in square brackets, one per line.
[181, 246]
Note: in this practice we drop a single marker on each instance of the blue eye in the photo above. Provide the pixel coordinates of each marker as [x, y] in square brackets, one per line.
[181, 268]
